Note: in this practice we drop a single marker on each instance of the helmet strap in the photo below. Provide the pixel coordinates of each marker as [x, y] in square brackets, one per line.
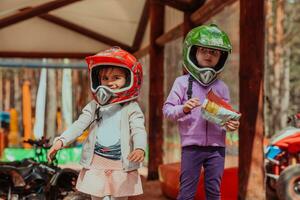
[190, 87]
[97, 114]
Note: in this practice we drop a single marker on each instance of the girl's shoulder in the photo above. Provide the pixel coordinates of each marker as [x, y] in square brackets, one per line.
[221, 89]
[94, 105]
[182, 79]
[131, 105]
[91, 106]
[220, 84]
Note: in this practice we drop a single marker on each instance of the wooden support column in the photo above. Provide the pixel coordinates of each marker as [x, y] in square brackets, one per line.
[251, 155]
[156, 89]
[187, 26]
[187, 23]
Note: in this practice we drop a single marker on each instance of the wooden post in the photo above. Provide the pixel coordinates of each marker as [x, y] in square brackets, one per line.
[7, 94]
[13, 136]
[187, 23]
[1, 89]
[251, 155]
[156, 89]
[18, 101]
[51, 105]
[187, 26]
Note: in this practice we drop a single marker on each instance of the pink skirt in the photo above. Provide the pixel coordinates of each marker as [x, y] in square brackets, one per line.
[107, 177]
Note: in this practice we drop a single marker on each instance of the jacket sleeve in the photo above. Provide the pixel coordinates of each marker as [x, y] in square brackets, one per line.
[173, 108]
[137, 126]
[76, 129]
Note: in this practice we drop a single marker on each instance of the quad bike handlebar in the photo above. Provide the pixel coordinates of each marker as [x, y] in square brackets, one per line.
[42, 143]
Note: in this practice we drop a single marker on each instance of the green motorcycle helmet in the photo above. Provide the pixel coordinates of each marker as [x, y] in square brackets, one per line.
[208, 36]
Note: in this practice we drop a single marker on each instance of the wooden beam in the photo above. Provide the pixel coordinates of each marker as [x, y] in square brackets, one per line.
[187, 26]
[171, 35]
[141, 27]
[184, 5]
[142, 52]
[84, 31]
[33, 12]
[197, 18]
[187, 23]
[209, 10]
[18, 54]
[156, 90]
[251, 74]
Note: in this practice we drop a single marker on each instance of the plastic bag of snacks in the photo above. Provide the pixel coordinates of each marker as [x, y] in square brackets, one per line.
[216, 110]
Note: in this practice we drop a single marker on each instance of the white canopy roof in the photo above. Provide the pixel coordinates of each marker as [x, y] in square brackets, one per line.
[75, 26]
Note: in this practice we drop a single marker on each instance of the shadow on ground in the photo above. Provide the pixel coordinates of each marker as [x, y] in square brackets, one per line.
[152, 191]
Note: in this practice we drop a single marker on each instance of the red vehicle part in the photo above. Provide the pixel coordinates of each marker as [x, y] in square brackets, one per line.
[283, 171]
[169, 180]
[290, 143]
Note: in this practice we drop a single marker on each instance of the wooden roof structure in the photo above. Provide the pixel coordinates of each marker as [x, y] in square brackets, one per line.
[70, 28]
[78, 28]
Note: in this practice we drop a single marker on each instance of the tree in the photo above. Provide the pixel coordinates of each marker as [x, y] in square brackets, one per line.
[277, 68]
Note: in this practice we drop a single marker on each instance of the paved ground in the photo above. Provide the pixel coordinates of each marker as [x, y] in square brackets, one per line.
[152, 191]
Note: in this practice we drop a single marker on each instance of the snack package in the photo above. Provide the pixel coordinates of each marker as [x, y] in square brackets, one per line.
[216, 110]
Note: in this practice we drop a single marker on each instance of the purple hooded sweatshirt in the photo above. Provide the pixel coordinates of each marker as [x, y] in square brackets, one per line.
[193, 128]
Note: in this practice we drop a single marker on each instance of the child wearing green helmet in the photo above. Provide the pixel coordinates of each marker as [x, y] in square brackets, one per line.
[205, 52]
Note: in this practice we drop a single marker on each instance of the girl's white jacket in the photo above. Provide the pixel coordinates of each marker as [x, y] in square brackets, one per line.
[133, 133]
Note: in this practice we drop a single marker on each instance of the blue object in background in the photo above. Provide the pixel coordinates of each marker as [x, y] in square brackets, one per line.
[4, 117]
[273, 151]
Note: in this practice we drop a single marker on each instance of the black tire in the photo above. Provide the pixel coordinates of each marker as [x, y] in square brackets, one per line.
[77, 196]
[35, 197]
[270, 190]
[288, 184]
[270, 183]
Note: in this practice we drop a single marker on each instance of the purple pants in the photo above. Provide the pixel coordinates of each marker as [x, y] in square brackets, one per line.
[192, 159]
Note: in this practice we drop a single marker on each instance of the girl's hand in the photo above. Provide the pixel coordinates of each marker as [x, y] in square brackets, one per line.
[54, 149]
[232, 125]
[190, 104]
[136, 155]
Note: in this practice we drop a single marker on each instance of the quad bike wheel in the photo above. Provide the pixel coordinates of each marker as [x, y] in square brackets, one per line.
[270, 184]
[271, 189]
[288, 184]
